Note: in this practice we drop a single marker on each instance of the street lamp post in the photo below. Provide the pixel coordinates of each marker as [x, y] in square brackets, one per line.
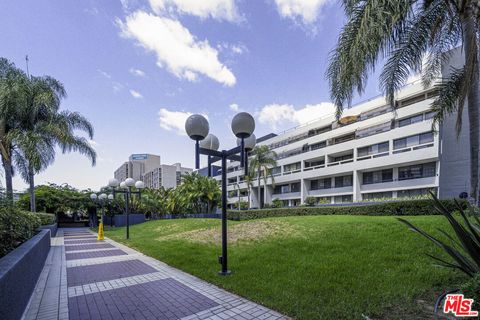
[101, 199]
[197, 128]
[126, 189]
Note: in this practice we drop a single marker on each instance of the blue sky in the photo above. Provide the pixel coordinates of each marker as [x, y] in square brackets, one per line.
[137, 68]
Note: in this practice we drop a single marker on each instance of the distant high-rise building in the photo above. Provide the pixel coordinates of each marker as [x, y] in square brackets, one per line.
[136, 166]
[148, 168]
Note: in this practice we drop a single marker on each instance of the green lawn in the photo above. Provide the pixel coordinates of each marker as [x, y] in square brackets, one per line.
[311, 267]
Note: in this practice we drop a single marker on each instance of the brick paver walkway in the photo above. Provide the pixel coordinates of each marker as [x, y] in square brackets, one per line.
[88, 279]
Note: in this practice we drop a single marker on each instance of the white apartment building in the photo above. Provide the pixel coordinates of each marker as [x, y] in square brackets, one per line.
[136, 166]
[377, 152]
[167, 176]
[147, 167]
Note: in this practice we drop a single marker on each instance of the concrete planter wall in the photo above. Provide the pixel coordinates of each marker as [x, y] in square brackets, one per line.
[19, 272]
[53, 229]
[120, 220]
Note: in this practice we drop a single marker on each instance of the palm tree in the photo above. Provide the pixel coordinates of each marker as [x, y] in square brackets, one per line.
[249, 181]
[42, 127]
[12, 94]
[404, 33]
[263, 160]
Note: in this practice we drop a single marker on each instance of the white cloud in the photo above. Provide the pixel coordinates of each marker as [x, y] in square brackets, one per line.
[136, 94]
[104, 73]
[176, 48]
[216, 9]
[305, 10]
[137, 72]
[234, 107]
[174, 120]
[275, 115]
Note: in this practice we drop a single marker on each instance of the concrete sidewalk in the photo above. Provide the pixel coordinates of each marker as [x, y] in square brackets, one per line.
[88, 279]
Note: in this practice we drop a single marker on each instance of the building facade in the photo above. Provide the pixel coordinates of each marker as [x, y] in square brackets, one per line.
[375, 152]
[167, 176]
[147, 167]
[136, 166]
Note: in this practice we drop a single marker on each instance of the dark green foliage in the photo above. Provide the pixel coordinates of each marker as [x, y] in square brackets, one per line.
[464, 247]
[310, 201]
[16, 226]
[471, 290]
[54, 198]
[393, 208]
[46, 218]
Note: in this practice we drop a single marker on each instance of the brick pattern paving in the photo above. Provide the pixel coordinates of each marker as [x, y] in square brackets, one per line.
[106, 271]
[94, 254]
[160, 299]
[89, 246]
[108, 280]
[69, 242]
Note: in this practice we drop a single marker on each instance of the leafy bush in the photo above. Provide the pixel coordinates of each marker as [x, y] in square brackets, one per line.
[397, 208]
[46, 218]
[310, 201]
[471, 290]
[276, 203]
[243, 205]
[16, 226]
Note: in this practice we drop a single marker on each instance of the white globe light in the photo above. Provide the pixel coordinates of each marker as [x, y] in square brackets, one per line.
[210, 142]
[249, 142]
[197, 127]
[243, 125]
[129, 182]
[123, 185]
[93, 196]
[102, 196]
[139, 185]
[113, 182]
[110, 197]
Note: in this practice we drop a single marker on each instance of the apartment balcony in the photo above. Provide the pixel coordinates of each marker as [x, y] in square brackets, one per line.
[330, 191]
[394, 185]
[286, 196]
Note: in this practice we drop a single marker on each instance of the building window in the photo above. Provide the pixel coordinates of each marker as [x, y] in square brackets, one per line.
[320, 184]
[319, 145]
[292, 167]
[429, 115]
[410, 120]
[377, 195]
[415, 192]
[413, 140]
[295, 187]
[309, 164]
[373, 149]
[417, 171]
[342, 158]
[379, 176]
[344, 181]
[343, 199]
[345, 138]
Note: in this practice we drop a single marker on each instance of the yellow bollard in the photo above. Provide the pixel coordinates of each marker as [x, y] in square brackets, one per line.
[100, 232]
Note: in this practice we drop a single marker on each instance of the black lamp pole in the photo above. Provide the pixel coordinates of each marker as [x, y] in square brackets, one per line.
[197, 128]
[127, 194]
[214, 156]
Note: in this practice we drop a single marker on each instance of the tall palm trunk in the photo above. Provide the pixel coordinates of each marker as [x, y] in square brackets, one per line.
[259, 189]
[473, 103]
[7, 166]
[31, 181]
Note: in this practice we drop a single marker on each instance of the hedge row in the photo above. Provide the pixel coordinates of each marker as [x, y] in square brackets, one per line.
[394, 208]
[46, 218]
[16, 226]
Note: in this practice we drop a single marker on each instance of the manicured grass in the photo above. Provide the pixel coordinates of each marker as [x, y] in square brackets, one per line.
[312, 267]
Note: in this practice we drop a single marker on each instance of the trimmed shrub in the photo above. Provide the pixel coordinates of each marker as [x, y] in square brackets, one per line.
[392, 208]
[16, 226]
[46, 218]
